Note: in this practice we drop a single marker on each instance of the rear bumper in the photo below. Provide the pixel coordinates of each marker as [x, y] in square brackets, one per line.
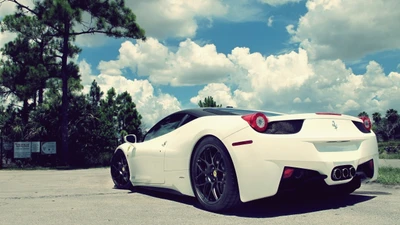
[304, 179]
[317, 187]
[260, 165]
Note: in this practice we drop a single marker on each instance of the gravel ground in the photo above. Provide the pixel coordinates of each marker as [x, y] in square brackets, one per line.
[87, 197]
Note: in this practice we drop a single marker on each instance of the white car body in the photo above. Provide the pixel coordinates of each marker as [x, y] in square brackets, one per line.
[323, 142]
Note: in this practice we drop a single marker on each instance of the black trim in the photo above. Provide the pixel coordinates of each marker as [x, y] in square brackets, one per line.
[284, 127]
[361, 127]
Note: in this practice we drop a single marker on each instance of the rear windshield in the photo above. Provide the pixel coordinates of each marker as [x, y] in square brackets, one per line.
[231, 111]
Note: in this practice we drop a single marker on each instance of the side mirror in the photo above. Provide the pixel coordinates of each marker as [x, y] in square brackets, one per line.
[131, 138]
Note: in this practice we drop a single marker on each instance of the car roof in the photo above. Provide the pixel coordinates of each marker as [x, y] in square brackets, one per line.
[212, 111]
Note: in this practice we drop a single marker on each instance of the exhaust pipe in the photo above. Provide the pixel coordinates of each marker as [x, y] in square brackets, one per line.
[352, 171]
[337, 174]
[345, 173]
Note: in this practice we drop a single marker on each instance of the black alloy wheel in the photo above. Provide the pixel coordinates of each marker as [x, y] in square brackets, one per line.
[213, 176]
[120, 171]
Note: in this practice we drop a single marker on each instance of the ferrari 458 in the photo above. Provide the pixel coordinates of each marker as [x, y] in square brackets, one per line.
[226, 156]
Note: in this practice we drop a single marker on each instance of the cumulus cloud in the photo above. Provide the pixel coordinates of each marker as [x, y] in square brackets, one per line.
[220, 93]
[165, 18]
[152, 104]
[288, 82]
[270, 21]
[6, 37]
[278, 2]
[191, 64]
[7, 7]
[244, 11]
[269, 73]
[348, 30]
[160, 19]
[292, 83]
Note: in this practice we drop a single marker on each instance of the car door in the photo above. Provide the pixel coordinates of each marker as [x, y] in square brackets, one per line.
[148, 163]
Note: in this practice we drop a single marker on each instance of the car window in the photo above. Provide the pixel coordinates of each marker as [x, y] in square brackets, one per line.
[186, 119]
[165, 126]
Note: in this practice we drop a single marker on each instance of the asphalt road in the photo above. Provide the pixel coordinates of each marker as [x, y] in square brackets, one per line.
[87, 197]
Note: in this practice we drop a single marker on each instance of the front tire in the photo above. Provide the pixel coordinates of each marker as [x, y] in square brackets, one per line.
[120, 171]
[213, 176]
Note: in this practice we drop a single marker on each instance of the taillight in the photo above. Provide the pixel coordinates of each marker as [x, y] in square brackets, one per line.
[287, 172]
[258, 121]
[367, 122]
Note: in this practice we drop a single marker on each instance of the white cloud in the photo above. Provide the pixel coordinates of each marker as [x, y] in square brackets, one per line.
[8, 7]
[191, 64]
[220, 93]
[89, 40]
[244, 11]
[151, 104]
[333, 29]
[270, 73]
[288, 82]
[297, 100]
[291, 83]
[6, 37]
[174, 18]
[278, 2]
[162, 19]
[270, 21]
[86, 73]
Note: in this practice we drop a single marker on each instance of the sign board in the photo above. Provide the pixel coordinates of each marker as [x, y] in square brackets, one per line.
[22, 150]
[49, 148]
[7, 146]
[35, 146]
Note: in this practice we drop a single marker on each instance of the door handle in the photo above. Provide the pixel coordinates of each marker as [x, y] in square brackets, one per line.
[163, 144]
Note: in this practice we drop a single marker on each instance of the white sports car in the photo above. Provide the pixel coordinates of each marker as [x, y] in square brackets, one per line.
[225, 156]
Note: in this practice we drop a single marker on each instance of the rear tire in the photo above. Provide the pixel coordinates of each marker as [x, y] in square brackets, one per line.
[120, 171]
[213, 176]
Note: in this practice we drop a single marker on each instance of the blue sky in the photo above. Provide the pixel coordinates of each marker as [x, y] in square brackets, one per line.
[280, 55]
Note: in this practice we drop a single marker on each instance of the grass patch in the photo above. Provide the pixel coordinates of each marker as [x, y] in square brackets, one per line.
[389, 156]
[389, 149]
[389, 175]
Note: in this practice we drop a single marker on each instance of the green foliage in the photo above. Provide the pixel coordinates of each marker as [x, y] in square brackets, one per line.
[363, 113]
[97, 124]
[389, 149]
[387, 127]
[389, 175]
[208, 102]
[58, 20]
[376, 117]
[128, 118]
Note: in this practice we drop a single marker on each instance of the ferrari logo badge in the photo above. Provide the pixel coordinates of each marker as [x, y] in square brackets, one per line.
[334, 124]
[215, 173]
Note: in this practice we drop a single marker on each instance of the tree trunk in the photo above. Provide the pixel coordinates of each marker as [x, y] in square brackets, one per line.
[25, 112]
[40, 96]
[34, 104]
[65, 102]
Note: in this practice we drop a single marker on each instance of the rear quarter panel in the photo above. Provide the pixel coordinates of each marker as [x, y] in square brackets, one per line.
[179, 154]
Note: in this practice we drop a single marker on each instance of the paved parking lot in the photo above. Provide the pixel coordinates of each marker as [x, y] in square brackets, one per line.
[87, 197]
